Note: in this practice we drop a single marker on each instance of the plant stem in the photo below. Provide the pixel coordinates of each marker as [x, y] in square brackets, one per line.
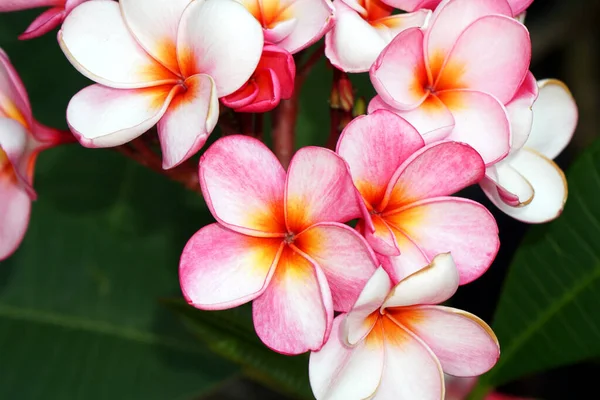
[284, 128]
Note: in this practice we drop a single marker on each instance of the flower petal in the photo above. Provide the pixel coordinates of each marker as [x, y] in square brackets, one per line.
[268, 93]
[548, 182]
[518, 6]
[412, 5]
[15, 206]
[554, 119]
[14, 102]
[16, 5]
[44, 23]
[492, 56]
[411, 369]
[410, 260]
[339, 373]
[222, 269]
[96, 40]
[433, 284]
[432, 119]
[100, 116]
[399, 75]
[382, 237]
[344, 256]
[363, 316]
[480, 121]
[512, 187]
[520, 112]
[374, 146]
[190, 118]
[295, 313]
[448, 224]
[281, 62]
[464, 344]
[319, 189]
[313, 20]
[439, 169]
[243, 185]
[154, 24]
[448, 22]
[209, 42]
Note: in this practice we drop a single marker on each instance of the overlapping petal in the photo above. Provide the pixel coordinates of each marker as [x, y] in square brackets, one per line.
[15, 207]
[311, 20]
[520, 112]
[44, 23]
[14, 102]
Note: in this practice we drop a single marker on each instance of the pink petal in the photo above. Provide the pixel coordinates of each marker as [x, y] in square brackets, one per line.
[548, 182]
[344, 256]
[71, 4]
[518, 6]
[497, 68]
[14, 102]
[399, 75]
[16, 5]
[210, 42]
[464, 344]
[267, 95]
[313, 20]
[480, 121]
[338, 372]
[101, 116]
[154, 24]
[44, 23]
[433, 284]
[244, 96]
[96, 40]
[362, 317]
[448, 22]
[382, 238]
[463, 227]
[319, 189]
[243, 185]
[520, 113]
[439, 169]
[295, 313]
[432, 119]
[412, 5]
[222, 269]
[191, 117]
[555, 118]
[17, 155]
[15, 206]
[281, 62]
[374, 146]
[410, 260]
[411, 369]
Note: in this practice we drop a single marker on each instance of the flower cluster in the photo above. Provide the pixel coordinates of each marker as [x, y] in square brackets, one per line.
[347, 253]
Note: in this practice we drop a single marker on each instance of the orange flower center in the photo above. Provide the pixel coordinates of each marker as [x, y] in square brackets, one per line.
[375, 10]
[268, 12]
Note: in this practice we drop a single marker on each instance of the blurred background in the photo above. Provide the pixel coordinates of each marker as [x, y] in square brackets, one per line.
[89, 303]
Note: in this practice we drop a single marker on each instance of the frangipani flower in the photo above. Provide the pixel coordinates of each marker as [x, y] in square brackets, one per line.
[405, 185]
[272, 81]
[48, 20]
[278, 241]
[452, 80]
[528, 185]
[292, 24]
[21, 140]
[459, 389]
[517, 6]
[395, 342]
[362, 29]
[157, 61]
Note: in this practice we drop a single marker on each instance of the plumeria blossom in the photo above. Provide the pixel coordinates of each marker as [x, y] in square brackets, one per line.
[460, 388]
[362, 29]
[405, 186]
[21, 140]
[528, 185]
[48, 20]
[292, 24]
[396, 342]
[517, 6]
[272, 81]
[452, 80]
[157, 61]
[278, 241]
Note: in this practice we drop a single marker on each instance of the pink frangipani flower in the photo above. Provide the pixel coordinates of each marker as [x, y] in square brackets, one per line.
[272, 81]
[405, 186]
[528, 185]
[396, 342]
[22, 138]
[279, 240]
[292, 24]
[452, 80]
[157, 61]
[48, 20]
[517, 6]
[361, 31]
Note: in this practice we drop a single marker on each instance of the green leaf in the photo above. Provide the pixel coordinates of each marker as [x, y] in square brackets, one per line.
[548, 311]
[231, 334]
[80, 310]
